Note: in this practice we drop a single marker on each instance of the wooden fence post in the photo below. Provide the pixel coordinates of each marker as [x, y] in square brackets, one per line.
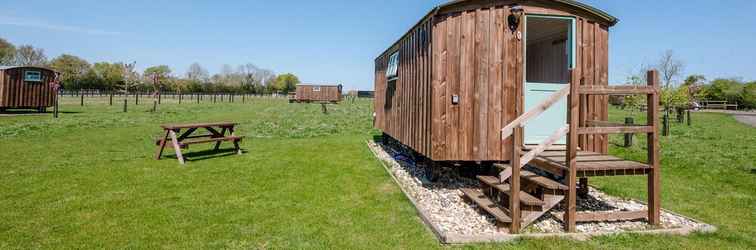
[665, 124]
[111, 98]
[180, 97]
[688, 113]
[82, 100]
[629, 136]
[160, 98]
[57, 103]
[136, 102]
[125, 104]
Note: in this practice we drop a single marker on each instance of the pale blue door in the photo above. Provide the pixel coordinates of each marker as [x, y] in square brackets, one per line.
[549, 54]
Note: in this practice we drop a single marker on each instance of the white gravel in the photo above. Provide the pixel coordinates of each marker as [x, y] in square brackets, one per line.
[442, 201]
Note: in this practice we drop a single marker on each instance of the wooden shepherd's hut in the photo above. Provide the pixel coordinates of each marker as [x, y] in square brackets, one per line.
[508, 84]
[320, 93]
[26, 88]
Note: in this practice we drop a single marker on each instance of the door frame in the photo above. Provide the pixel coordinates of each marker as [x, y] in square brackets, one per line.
[572, 57]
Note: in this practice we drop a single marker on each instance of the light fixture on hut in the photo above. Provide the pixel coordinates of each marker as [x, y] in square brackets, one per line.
[514, 18]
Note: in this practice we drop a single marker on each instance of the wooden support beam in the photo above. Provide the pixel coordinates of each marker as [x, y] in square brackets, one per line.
[615, 130]
[654, 211]
[609, 216]
[573, 102]
[617, 90]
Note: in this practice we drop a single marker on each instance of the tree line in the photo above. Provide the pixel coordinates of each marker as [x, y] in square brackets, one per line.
[78, 74]
[682, 92]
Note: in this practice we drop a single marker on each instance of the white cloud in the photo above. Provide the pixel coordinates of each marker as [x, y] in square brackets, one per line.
[28, 23]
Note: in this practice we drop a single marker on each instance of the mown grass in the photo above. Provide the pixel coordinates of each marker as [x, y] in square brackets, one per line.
[88, 180]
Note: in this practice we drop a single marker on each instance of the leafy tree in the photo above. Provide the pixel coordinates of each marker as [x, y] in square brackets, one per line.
[7, 52]
[725, 89]
[72, 68]
[104, 75]
[27, 55]
[160, 70]
[286, 83]
[749, 95]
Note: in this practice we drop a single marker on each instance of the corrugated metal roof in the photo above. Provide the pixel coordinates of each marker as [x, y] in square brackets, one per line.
[572, 3]
[36, 67]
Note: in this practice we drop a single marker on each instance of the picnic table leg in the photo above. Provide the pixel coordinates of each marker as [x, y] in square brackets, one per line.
[236, 143]
[217, 144]
[162, 146]
[177, 147]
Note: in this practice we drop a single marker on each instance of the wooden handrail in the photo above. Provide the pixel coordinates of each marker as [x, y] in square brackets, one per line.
[617, 90]
[534, 112]
[544, 145]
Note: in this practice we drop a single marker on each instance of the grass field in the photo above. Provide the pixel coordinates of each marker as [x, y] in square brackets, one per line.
[307, 180]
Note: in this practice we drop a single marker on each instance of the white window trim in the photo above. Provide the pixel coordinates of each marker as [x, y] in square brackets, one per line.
[393, 67]
[36, 72]
[316, 88]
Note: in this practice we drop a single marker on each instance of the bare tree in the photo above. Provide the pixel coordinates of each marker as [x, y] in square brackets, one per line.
[197, 73]
[27, 55]
[130, 81]
[670, 68]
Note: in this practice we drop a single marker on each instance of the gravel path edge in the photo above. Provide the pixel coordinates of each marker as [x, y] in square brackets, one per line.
[451, 238]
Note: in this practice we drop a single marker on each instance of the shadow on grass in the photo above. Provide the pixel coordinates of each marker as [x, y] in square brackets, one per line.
[207, 154]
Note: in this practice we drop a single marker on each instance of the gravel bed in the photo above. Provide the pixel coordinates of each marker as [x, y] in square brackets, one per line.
[443, 203]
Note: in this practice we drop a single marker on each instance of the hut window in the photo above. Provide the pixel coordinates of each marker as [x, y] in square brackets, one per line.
[32, 76]
[393, 67]
[316, 88]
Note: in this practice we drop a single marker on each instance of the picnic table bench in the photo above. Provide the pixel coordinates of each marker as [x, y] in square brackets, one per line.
[187, 138]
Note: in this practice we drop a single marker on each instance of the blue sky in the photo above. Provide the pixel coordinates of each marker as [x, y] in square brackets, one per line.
[337, 40]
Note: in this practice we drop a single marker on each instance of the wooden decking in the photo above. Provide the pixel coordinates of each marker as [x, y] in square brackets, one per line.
[589, 164]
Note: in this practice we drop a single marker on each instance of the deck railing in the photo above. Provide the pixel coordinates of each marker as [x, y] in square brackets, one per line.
[572, 129]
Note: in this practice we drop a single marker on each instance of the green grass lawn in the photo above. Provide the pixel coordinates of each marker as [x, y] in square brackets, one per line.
[307, 180]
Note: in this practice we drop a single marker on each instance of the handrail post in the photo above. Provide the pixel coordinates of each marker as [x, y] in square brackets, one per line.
[514, 181]
[573, 102]
[654, 208]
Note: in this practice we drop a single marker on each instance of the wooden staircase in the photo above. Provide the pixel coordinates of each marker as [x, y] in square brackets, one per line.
[537, 197]
[518, 197]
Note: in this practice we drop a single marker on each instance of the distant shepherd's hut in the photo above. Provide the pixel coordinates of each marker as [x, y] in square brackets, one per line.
[317, 93]
[26, 87]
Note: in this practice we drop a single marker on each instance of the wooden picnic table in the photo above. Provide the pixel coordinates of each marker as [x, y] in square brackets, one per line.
[187, 138]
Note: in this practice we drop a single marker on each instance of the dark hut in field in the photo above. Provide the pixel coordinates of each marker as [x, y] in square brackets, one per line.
[317, 93]
[26, 87]
[487, 82]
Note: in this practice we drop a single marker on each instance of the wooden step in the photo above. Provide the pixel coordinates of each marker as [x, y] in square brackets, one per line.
[486, 204]
[531, 216]
[501, 166]
[543, 181]
[525, 198]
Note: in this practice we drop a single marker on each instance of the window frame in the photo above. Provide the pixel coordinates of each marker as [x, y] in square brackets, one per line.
[38, 77]
[392, 70]
[315, 88]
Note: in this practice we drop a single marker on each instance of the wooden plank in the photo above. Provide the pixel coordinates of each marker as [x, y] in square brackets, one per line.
[452, 129]
[439, 85]
[543, 181]
[467, 86]
[486, 204]
[481, 88]
[525, 198]
[617, 90]
[615, 130]
[496, 78]
[654, 182]
[198, 125]
[176, 146]
[609, 216]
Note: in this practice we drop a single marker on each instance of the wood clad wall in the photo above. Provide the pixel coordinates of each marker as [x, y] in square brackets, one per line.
[326, 93]
[593, 58]
[477, 58]
[15, 93]
[403, 107]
